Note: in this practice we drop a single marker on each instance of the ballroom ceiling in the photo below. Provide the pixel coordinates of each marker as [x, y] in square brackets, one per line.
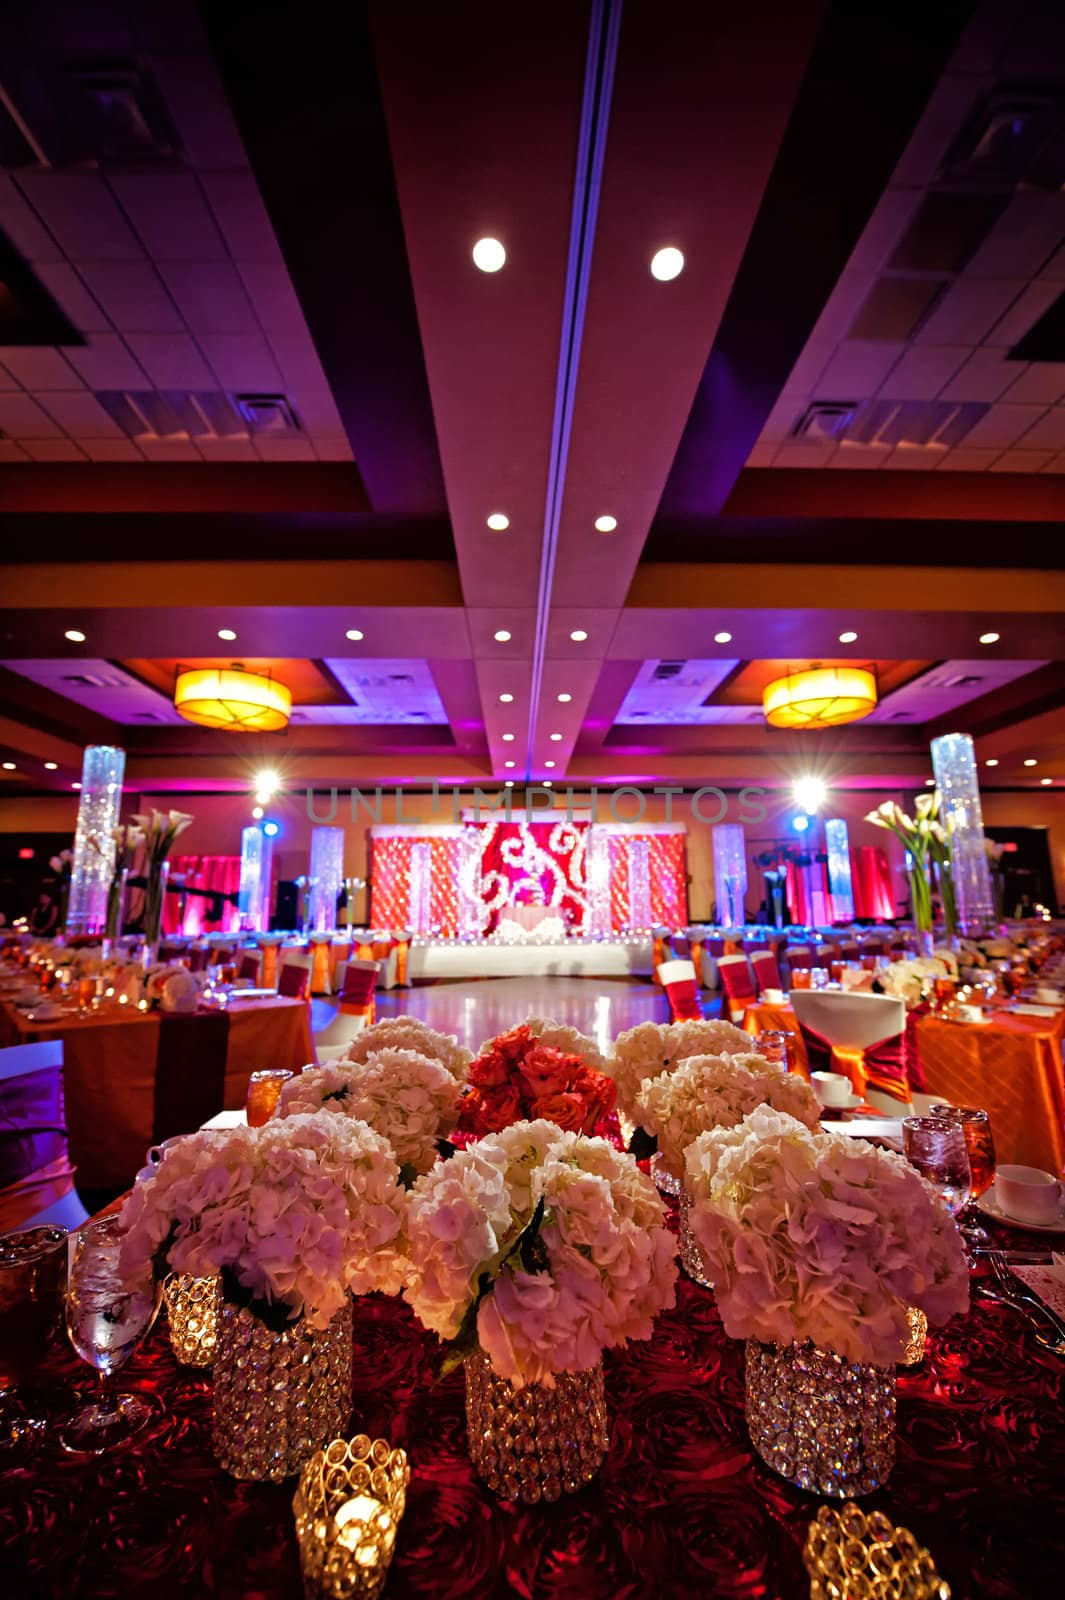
[283, 402]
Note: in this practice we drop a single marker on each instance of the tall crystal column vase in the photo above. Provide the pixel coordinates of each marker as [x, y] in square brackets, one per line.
[326, 876]
[954, 764]
[730, 873]
[102, 771]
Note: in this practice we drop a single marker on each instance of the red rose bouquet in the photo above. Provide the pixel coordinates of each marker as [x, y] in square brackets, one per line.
[517, 1077]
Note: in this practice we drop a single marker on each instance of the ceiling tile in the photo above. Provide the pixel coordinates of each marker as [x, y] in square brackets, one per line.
[82, 213]
[860, 455]
[24, 227]
[1057, 464]
[242, 361]
[969, 310]
[22, 418]
[298, 360]
[890, 219]
[270, 291]
[317, 411]
[133, 296]
[226, 449]
[210, 296]
[11, 453]
[240, 214]
[53, 450]
[1042, 383]
[285, 449]
[198, 105]
[951, 102]
[1047, 434]
[782, 419]
[71, 296]
[1031, 229]
[111, 449]
[762, 455]
[922, 371]
[1025, 313]
[915, 458]
[1055, 267]
[959, 460]
[7, 382]
[172, 360]
[841, 307]
[857, 369]
[1002, 426]
[1022, 461]
[808, 368]
[169, 450]
[985, 376]
[799, 454]
[171, 215]
[39, 367]
[81, 415]
[332, 449]
[105, 363]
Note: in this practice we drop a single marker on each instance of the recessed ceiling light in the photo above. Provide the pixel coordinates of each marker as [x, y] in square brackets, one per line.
[564, 699]
[992, 761]
[499, 522]
[508, 783]
[510, 763]
[1030, 761]
[502, 636]
[722, 638]
[51, 766]
[848, 637]
[549, 763]
[75, 636]
[227, 634]
[1046, 780]
[929, 783]
[547, 784]
[556, 738]
[508, 738]
[489, 255]
[578, 636]
[505, 699]
[990, 638]
[75, 785]
[605, 524]
[8, 766]
[257, 812]
[667, 263]
[354, 634]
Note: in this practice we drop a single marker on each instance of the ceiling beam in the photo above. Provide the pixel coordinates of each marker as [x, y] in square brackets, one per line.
[274, 488]
[935, 496]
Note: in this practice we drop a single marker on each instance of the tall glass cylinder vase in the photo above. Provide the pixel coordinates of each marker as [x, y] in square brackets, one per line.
[824, 1423]
[154, 900]
[278, 1396]
[99, 803]
[535, 1443]
[730, 873]
[954, 765]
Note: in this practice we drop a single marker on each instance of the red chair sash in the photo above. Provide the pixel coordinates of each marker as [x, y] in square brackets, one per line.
[683, 998]
[198, 960]
[35, 1167]
[766, 970]
[292, 982]
[359, 985]
[249, 967]
[882, 1066]
[736, 980]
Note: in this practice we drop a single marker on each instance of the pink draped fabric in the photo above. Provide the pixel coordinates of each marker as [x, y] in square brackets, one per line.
[218, 873]
[871, 879]
[532, 864]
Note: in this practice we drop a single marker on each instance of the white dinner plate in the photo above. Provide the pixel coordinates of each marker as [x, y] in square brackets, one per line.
[989, 1205]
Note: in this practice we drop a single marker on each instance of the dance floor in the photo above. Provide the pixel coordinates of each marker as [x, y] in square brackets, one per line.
[474, 1012]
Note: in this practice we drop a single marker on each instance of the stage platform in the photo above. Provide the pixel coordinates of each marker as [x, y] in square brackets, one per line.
[444, 961]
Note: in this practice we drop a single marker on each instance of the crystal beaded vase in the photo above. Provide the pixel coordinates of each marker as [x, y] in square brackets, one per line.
[663, 1177]
[691, 1257]
[825, 1424]
[192, 1306]
[535, 1443]
[278, 1397]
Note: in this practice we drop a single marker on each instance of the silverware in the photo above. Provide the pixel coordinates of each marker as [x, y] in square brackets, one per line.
[1021, 1258]
[1011, 1285]
[1045, 1340]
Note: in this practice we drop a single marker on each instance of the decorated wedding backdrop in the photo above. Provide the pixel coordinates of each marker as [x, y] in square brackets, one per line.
[594, 877]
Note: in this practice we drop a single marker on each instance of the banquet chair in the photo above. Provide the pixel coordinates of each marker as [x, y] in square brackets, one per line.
[766, 969]
[355, 1007]
[36, 1177]
[872, 947]
[862, 1036]
[198, 958]
[739, 986]
[678, 980]
[294, 978]
[171, 952]
[249, 967]
[850, 950]
[797, 955]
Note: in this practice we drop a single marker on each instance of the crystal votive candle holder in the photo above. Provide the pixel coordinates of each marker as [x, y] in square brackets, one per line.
[535, 1443]
[824, 1423]
[264, 1091]
[348, 1507]
[848, 1553]
[192, 1307]
[691, 1256]
[913, 1349]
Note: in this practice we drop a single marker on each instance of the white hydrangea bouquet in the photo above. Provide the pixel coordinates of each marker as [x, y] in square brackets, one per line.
[407, 1097]
[409, 1033]
[293, 1216]
[707, 1092]
[652, 1048]
[821, 1238]
[913, 979]
[541, 1248]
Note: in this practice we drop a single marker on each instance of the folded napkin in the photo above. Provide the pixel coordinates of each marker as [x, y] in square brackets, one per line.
[1047, 1282]
[1028, 1008]
[179, 990]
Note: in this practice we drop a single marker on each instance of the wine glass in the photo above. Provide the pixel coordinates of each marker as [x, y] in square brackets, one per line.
[936, 1147]
[33, 1273]
[108, 1314]
[773, 1044]
[979, 1142]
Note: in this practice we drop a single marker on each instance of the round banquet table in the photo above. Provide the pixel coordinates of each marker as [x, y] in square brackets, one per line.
[682, 1506]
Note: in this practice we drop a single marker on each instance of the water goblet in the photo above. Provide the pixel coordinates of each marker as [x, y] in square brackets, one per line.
[109, 1310]
[936, 1147]
[819, 978]
[773, 1044]
[980, 1144]
[33, 1273]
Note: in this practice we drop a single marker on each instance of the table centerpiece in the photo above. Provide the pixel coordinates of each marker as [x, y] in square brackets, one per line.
[538, 1070]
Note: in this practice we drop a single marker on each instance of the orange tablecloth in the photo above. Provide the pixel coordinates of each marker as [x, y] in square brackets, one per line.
[1012, 1066]
[110, 1072]
[759, 1018]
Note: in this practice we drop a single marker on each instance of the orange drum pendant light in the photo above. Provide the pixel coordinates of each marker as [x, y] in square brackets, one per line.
[820, 697]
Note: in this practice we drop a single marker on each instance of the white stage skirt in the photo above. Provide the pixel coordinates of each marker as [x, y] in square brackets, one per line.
[434, 963]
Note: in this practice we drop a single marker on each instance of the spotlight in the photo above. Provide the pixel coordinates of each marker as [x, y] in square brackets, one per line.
[722, 638]
[75, 636]
[354, 634]
[800, 823]
[267, 783]
[667, 263]
[578, 635]
[51, 766]
[564, 699]
[489, 255]
[990, 638]
[271, 829]
[809, 793]
[227, 634]
[257, 813]
[501, 636]
[849, 637]
[605, 524]
[499, 522]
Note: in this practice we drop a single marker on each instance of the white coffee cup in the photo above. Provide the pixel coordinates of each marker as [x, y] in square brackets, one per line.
[831, 1088]
[969, 1013]
[1047, 996]
[1028, 1194]
[773, 997]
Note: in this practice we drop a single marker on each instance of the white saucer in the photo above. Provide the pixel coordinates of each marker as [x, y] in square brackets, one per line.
[849, 1104]
[988, 1204]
